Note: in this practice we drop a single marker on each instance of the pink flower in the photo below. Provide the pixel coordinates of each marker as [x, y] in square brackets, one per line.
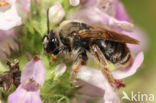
[32, 79]
[103, 12]
[121, 13]
[139, 35]
[35, 70]
[25, 4]
[9, 16]
[112, 15]
[7, 43]
[124, 73]
[22, 95]
[94, 86]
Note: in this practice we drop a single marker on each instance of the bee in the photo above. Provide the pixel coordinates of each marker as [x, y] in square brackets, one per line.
[10, 77]
[80, 40]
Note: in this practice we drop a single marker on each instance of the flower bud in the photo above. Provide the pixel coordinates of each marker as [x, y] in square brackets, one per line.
[56, 13]
[74, 2]
[60, 69]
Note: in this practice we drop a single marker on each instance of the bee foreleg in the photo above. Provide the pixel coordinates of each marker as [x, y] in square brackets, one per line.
[55, 54]
[53, 58]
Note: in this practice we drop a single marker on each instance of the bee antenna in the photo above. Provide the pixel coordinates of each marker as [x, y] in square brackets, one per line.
[48, 21]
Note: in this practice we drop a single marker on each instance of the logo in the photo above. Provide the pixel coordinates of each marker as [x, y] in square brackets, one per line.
[140, 97]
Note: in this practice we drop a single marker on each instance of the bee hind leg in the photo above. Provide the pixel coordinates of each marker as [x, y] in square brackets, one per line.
[106, 72]
[102, 62]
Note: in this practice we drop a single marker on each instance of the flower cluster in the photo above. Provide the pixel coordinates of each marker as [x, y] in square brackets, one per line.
[110, 14]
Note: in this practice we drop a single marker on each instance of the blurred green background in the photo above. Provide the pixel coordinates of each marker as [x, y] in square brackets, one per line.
[143, 13]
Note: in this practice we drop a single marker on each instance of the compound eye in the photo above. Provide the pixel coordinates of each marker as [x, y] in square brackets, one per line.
[53, 40]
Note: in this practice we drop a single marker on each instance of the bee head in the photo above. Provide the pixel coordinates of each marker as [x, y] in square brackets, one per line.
[50, 42]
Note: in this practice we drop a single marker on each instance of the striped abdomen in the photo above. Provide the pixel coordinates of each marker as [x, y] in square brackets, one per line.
[115, 52]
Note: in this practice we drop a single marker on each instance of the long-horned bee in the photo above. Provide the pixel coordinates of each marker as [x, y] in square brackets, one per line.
[80, 40]
[10, 77]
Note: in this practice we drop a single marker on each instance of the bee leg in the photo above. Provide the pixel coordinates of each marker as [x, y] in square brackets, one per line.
[53, 58]
[82, 57]
[106, 72]
[75, 69]
[102, 62]
[55, 54]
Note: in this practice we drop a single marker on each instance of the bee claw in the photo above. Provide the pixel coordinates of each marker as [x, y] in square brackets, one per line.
[74, 83]
[119, 83]
[83, 63]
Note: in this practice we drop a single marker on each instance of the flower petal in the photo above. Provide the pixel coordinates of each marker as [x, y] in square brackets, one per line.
[123, 73]
[88, 17]
[121, 13]
[56, 13]
[74, 2]
[99, 16]
[89, 89]
[139, 35]
[5, 34]
[95, 78]
[9, 18]
[60, 69]
[35, 70]
[7, 43]
[23, 96]
[25, 4]
[121, 25]
[88, 3]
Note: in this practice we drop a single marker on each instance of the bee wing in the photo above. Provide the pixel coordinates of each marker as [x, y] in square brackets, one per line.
[95, 33]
